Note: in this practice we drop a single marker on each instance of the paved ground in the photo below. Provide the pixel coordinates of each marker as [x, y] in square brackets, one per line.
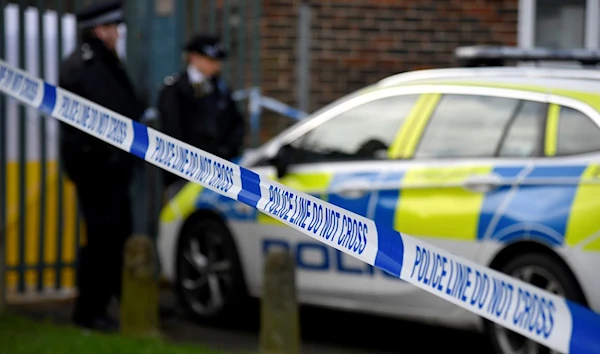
[323, 332]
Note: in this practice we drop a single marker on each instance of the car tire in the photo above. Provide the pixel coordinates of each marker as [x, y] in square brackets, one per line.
[537, 269]
[209, 283]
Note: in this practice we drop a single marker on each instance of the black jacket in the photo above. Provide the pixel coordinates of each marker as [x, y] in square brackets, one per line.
[209, 121]
[94, 72]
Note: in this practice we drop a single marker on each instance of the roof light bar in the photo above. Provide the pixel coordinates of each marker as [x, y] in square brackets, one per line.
[482, 55]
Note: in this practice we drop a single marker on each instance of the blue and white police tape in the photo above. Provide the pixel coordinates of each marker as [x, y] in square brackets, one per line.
[243, 93]
[253, 93]
[281, 108]
[534, 313]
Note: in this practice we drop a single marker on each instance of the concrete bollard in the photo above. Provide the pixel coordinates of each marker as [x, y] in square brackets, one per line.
[140, 294]
[279, 319]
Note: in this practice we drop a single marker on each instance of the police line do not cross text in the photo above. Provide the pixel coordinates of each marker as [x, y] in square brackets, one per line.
[516, 305]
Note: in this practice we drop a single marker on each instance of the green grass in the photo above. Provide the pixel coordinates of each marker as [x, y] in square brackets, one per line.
[19, 335]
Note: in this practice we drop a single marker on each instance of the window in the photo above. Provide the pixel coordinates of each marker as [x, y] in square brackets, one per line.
[577, 133]
[360, 133]
[466, 126]
[560, 23]
[524, 135]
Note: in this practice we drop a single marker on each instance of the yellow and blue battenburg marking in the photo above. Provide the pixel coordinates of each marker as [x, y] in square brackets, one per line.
[552, 213]
[564, 326]
[583, 219]
[541, 209]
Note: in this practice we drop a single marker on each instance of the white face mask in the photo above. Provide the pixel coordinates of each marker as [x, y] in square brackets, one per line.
[194, 75]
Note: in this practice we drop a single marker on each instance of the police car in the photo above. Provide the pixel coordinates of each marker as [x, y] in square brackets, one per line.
[499, 165]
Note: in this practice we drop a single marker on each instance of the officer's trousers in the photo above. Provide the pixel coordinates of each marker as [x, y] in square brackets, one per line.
[106, 207]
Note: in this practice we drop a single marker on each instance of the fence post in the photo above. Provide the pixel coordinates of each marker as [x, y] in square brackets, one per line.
[167, 25]
[3, 165]
[254, 108]
[303, 55]
[138, 24]
[2, 255]
[279, 319]
[153, 187]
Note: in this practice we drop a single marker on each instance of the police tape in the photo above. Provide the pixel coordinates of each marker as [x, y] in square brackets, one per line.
[281, 108]
[530, 311]
[253, 93]
[243, 94]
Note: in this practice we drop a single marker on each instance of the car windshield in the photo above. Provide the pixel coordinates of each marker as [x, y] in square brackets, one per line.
[290, 133]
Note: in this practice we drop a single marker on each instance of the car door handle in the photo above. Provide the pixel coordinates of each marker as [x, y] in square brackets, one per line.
[482, 183]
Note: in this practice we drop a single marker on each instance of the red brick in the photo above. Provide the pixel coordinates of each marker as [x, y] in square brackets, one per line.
[357, 42]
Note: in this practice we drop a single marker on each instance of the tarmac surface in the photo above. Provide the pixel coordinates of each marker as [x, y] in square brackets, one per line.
[323, 331]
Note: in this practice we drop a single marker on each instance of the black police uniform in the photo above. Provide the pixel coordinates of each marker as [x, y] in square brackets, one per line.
[202, 115]
[101, 172]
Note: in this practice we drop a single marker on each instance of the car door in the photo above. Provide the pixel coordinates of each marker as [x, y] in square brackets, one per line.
[459, 164]
[573, 134]
[566, 177]
[339, 160]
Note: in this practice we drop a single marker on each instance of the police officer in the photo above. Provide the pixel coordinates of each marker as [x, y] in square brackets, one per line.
[100, 172]
[196, 105]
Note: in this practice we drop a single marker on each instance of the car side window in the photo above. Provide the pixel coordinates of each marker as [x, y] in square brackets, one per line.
[577, 133]
[524, 134]
[360, 133]
[466, 126]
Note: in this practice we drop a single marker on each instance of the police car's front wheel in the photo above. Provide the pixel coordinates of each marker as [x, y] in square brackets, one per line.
[209, 278]
[543, 271]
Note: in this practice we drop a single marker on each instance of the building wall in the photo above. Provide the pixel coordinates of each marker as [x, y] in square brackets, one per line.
[358, 42]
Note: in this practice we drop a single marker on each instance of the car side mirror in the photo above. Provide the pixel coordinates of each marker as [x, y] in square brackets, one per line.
[283, 159]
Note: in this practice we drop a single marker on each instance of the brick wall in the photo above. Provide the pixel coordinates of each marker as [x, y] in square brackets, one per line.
[358, 42]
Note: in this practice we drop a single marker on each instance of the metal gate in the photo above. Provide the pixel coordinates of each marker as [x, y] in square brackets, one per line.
[39, 217]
